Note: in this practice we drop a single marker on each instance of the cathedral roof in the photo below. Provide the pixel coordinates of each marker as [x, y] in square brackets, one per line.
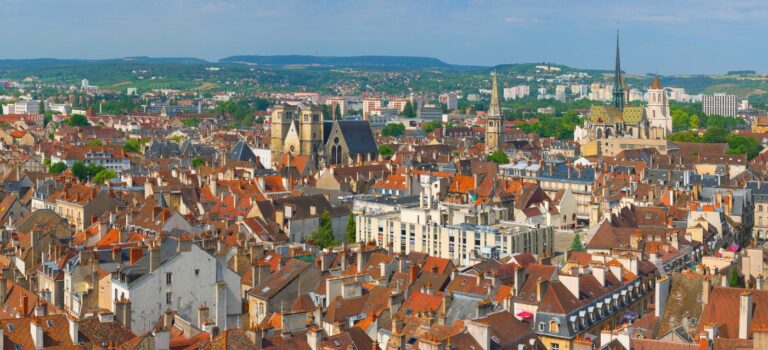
[611, 114]
[656, 84]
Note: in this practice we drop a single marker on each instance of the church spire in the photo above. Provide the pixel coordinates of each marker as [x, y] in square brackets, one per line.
[618, 81]
[494, 110]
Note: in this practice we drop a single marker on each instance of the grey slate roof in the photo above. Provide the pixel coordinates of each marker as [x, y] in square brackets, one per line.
[242, 152]
[358, 135]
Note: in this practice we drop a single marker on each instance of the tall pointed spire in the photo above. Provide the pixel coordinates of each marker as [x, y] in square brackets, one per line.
[494, 110]
[494, 138]
[618, 82]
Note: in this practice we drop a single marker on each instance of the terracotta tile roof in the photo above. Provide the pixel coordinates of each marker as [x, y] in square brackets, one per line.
[55, 332]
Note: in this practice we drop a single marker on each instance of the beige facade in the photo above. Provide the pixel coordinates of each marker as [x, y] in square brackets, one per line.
[457, 232]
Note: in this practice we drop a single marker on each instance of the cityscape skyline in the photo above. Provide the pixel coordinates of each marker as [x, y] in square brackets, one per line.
[657, 37]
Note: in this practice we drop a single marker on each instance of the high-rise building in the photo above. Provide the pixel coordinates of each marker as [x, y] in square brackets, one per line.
[450, 101]
[720, 104]
[494, 137]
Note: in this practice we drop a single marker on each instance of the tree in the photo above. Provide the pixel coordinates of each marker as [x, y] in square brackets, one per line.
[694, 121]
[734, 281]
[77, 120]
[715, 135]
[684, 136]
[408, 110]
[393, 130]
[498, 157]
[430, 126]
[57, 168]
[337, 111]
[323, 235]
[738, 144]
[79, 170]
[576, 244]
[351, 229]
[197, 161]
[386, 151]
[104, 175]
[132, 145]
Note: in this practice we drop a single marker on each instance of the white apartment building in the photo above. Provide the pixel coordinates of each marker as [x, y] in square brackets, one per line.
[460, 232]
[22, 107]
[516, 92]
[720, 104]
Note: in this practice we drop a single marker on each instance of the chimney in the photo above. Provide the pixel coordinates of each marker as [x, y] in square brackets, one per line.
[168, 318]
[539, 289]
[162, 339]
[519, 278]
[3, 285]
[360, 259]
[705, 286]
[36, 332]
[41, 309]
[154, 257]
[413, 273]
[662, 292]
[23, 307]
[202, 315]
[74, 329]
[745, 315]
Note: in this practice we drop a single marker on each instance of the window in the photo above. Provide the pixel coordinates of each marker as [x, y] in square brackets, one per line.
[168, 278]
[197, 272]
[555, 346]
[541, 326]
[168, 297]
[553, 326]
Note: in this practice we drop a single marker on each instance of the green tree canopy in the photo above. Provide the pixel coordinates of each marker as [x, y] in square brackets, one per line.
[715, 135]
[323, 235]
[430, 126]
[576, 244]
[734, 281]
[393, 130]
[132, 145]
[386, 151]
[197, 161]
[498, 157]
[104, 175]
[351, 229]
[57, 168]
[77, 120]
[408, 110]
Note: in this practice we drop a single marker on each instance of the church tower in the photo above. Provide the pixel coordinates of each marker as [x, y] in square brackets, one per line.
[311, 131]
[659, 117]
[619, 97]
[282, 116]
[494, 131]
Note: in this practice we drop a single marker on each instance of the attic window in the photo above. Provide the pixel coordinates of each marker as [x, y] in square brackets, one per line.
[266, 289]
[495, 339]
[17, 347]
[50, 323]
[11, 327]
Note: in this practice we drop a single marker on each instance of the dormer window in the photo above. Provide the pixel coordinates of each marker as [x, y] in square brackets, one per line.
[553, 326]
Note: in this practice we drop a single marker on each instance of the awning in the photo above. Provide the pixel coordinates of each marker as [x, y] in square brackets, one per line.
[524, 314]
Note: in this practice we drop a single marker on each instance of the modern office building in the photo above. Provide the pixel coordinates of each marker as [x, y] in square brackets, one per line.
[720, 104]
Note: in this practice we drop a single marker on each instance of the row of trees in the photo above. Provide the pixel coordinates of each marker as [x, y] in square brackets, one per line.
[737, 144]
[323, 235]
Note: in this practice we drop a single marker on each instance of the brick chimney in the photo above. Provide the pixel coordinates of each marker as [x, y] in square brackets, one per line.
[745, 314]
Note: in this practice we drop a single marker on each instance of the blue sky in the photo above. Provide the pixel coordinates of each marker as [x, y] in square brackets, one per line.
[673, 36]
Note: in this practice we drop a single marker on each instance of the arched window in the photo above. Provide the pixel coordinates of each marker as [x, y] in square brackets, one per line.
[554, 326]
